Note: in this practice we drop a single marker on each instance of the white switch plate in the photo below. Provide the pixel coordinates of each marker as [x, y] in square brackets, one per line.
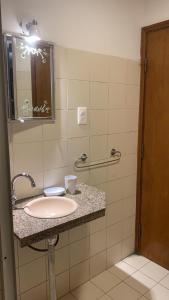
[82, 115]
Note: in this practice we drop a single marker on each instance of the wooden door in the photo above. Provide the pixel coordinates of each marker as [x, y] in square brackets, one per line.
[153, 160]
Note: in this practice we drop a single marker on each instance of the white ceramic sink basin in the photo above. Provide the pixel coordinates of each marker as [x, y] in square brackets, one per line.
[50, 207]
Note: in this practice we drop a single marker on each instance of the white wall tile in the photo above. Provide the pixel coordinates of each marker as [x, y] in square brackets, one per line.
[27, 255]
[133, 72]
[114, 255]
[79, 232]
[126, 143]
[122, 120]
[114, 234]
[132, 96]
[77, 146]
[26, 132]
[62, 284]
[61, 260]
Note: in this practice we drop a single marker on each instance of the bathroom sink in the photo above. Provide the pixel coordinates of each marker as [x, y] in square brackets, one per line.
[50, 207]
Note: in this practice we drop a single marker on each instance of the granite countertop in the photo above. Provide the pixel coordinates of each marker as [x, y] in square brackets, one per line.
[91, 205]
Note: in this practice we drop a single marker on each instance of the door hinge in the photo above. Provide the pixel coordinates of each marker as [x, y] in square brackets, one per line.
[145, 64]
[142, 151]
[139, 230]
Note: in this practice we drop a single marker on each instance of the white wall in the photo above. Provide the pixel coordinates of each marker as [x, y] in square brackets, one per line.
[156, 11]
[102, 26]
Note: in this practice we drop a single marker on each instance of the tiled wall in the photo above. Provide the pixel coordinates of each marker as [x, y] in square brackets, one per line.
[109, 87]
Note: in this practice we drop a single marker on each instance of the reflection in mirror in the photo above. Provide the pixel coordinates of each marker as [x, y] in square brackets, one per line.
[30, 78]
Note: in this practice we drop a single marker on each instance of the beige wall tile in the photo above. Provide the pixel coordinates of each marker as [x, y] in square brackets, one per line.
[97, 225]
[79, 251]
[99, 95]
[114, 234]
[58, 128]
[32, 274]
[62, 284]
[63, 239]
[126, 143]
[61, 260]
[122, 120]
[133, 72]
[79, 274]
[115, 212]
[28, 158]
[77, 146]
[78, 93]
[98, 175]
[74, 129]
[132, 96]
[26, 132]
[97, 264]
[117, 69]
[121, 188]
[128, 246]
[126, 167]
[55, 176]
[99, 68]
[116, 96]
[130, 204]
[98, 122]
[55, 154]
[98, 147]
[78, 64]
[97, 242]
[38, 292]
[61, 68]
[114, 254]
[129, 227]
[24, 189]
[61, 94]
[79, 232]
[27, 255]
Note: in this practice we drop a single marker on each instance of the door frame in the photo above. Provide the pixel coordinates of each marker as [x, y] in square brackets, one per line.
[144, 65]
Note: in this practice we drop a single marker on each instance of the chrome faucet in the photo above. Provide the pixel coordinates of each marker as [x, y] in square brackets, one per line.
[13, 182]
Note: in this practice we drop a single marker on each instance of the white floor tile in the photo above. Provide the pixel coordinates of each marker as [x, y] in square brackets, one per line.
[165, 282]
[158, 293]
[154, 271]
[122, 270]
[123, 292]
[136, 261]
[87, 291]
[140, 282]
[106, 281]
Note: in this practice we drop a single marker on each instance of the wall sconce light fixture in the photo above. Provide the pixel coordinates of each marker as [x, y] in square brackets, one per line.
[32, 30]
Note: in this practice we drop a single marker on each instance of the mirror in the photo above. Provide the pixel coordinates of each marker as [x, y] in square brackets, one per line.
[30, 78]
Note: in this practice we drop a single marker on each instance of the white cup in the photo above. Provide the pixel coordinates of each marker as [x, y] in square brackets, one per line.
[70, 183]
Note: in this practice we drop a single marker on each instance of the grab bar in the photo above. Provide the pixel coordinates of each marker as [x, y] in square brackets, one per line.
[83, 158]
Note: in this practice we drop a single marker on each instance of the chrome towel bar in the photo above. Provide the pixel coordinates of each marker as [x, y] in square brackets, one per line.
[80, 163]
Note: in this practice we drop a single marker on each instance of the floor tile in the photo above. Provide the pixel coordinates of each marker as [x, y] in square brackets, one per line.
[106, 281]
[105, 297]
[165, 282]
[158, 292]
[68, 297]
[122, 270]
[87, 291]
[123, 292]
[143, 298]
[140, 282]
[154, 271]
[136, 261]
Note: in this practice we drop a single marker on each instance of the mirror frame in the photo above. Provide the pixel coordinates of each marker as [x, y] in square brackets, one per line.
[15, 117]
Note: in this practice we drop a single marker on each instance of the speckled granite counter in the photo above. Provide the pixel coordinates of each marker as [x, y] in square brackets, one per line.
[91, 205]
